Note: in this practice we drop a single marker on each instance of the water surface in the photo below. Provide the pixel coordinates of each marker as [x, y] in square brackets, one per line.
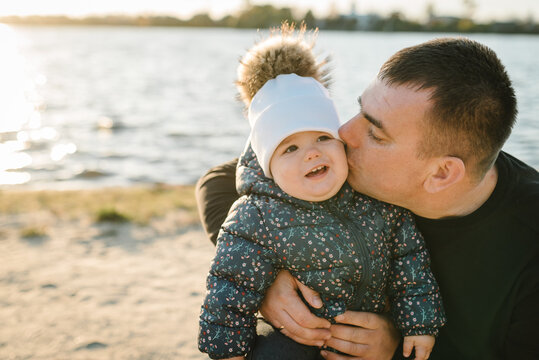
[101, 106]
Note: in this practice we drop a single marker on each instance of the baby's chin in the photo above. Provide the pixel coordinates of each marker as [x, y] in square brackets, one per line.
[315, 191]
[316, 196]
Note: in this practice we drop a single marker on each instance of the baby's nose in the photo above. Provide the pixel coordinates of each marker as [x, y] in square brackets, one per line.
[312, 153]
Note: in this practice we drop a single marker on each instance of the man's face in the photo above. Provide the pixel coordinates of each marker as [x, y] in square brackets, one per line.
[310, 165]
[382, 143]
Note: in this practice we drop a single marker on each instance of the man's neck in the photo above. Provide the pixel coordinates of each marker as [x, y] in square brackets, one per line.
[462, 200]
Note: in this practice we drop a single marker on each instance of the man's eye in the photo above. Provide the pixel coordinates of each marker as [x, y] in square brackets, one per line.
[324, 138]
[374, 137]
[291, 148]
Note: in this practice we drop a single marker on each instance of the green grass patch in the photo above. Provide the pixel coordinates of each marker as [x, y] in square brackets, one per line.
[111, 215]
[137, 204]
[33, 232]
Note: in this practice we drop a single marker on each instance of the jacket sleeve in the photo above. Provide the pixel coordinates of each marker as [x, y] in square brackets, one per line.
[416, 304]
[240, 273]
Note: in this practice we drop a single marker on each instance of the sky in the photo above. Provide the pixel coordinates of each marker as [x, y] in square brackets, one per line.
[485, 10]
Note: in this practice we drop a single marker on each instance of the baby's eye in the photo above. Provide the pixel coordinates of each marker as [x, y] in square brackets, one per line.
[324, 138]
[291, 148]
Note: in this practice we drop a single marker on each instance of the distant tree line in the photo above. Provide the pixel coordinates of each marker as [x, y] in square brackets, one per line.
[266, 16]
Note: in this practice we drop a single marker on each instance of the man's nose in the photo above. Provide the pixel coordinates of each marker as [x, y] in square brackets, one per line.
[349, 132]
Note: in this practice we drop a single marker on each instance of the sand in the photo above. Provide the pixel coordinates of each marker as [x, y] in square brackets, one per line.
[82, 289]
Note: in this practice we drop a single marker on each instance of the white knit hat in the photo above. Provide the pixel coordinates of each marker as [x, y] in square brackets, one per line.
[287, 105]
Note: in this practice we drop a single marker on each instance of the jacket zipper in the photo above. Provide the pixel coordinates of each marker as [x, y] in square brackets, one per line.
[363, 250]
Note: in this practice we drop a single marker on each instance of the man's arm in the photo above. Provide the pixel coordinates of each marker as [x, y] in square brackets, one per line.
[215, 193]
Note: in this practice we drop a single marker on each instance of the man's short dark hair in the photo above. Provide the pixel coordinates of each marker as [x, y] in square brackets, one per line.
[473, 102]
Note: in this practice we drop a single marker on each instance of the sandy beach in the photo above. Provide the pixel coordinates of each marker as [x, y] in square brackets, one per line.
[76, 286]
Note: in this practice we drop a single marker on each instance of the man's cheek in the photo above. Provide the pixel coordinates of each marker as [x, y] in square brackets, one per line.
[353, 155]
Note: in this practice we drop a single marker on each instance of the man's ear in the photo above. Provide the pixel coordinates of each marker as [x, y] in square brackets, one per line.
[446, 171]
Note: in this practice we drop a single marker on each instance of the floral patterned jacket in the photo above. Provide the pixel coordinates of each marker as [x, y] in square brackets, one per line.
[357, 252]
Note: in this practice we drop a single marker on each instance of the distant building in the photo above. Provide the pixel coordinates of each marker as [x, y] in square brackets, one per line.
[362, 21]
[442, 20]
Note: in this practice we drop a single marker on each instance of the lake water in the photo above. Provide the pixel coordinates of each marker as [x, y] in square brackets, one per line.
[104, 106]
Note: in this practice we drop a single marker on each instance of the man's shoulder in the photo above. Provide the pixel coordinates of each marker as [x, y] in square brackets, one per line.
[521, 171]
[520, 178]
[522, 182]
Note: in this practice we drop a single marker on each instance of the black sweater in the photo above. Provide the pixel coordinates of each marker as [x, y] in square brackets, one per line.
[487, 266]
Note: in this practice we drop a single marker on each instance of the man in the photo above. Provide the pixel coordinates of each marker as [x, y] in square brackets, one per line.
[429, 138]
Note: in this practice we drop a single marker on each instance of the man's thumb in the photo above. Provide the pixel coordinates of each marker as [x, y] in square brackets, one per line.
[312, 297]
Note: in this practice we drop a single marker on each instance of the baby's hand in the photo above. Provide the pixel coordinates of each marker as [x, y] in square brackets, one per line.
[423, 346]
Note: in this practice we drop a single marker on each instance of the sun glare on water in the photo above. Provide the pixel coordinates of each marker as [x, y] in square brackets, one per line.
[17, 112]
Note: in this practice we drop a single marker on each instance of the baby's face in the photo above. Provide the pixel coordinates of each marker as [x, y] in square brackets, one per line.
[310, 165]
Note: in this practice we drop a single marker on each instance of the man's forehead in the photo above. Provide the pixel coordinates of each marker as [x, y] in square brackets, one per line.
[381, 96]
[373, 97]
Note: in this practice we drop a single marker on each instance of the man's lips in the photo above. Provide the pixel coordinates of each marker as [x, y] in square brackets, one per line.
[317, 171]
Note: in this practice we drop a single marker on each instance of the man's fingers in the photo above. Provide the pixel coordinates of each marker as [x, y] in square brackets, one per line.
[312, 297]
[283, 307]
[360, 318]
[293, 307]
[282, 296]
[347, 347]
[303, 335]
[328, 355]
[309, 342]
[369, 336]
[350, 333]
[304, 317]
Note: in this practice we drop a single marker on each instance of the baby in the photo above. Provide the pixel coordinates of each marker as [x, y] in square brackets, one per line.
[298, 213]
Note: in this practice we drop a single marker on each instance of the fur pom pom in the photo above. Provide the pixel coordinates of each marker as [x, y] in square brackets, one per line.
[285, 51]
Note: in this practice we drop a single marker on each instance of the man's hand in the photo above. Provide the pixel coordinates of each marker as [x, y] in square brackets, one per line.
[370, 337]
[284, 309]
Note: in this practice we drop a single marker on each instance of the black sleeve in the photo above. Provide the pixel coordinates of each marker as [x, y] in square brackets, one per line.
[521, 340]
[215, 193]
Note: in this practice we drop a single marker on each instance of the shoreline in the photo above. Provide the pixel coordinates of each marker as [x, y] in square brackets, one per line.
[77, 282]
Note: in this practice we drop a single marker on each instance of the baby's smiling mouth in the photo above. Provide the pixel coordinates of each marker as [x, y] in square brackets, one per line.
[319, 170]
